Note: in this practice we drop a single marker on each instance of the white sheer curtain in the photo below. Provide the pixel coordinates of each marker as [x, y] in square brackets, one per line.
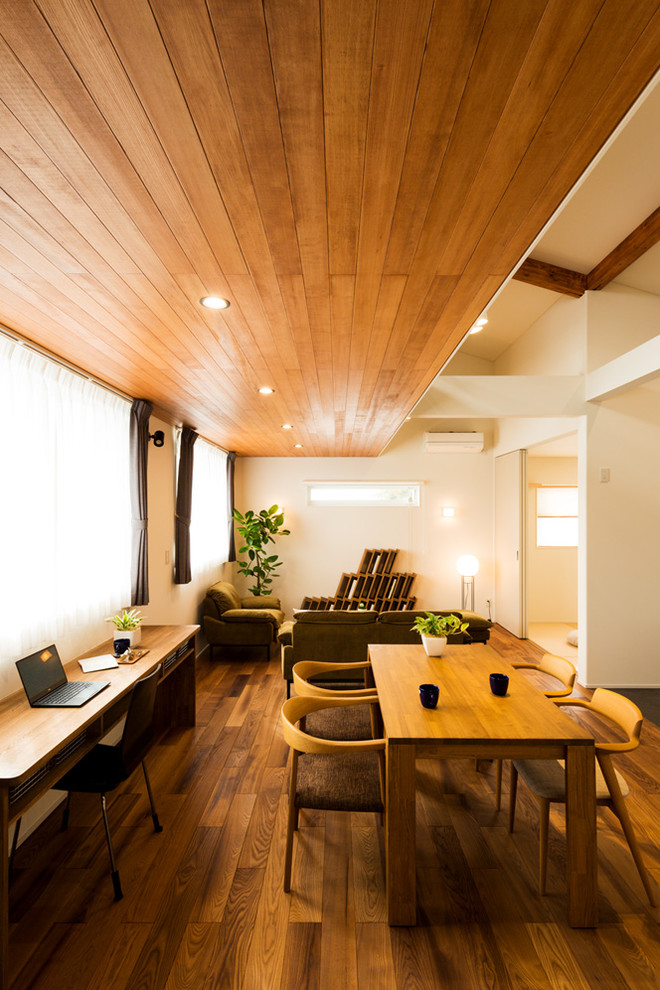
[209, 529]
[64, 501]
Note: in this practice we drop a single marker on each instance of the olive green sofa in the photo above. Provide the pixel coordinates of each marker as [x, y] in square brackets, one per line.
[343, 636]
[231, 621]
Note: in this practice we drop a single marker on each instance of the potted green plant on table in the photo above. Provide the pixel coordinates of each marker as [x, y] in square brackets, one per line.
[128, 624]
[434, 630]
[258, 529]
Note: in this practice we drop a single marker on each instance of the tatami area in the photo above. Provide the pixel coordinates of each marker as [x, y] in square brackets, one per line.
[551, 636]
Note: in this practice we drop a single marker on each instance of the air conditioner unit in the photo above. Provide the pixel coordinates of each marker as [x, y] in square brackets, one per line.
[453, 443]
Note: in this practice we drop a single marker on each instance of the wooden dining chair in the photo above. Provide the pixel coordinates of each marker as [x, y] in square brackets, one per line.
[314, 678]
[306, 674]
[553, 666]
[546, 778]
[331, 774]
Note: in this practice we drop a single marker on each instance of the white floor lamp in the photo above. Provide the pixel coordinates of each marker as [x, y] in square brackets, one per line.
[467, 566]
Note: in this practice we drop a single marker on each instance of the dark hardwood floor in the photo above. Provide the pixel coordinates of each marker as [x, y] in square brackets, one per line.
[203, 903]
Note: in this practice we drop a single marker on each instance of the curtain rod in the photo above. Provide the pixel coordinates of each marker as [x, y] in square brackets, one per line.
[75, 370]
[62, 362]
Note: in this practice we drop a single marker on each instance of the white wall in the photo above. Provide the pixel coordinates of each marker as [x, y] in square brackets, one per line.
[551, 571]
[622, 540]
[325, 542]
[619, 319]
[553, 345]
[466, 364]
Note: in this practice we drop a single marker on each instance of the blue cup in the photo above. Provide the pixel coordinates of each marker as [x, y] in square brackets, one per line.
[429, 694]
[499, 684]
[120, 646]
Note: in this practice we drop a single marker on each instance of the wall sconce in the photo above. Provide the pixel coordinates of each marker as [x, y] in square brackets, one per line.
[158, 438]
[448, 511]
[467, 566]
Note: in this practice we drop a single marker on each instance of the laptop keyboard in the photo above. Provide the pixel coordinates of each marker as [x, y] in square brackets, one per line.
[69, 690]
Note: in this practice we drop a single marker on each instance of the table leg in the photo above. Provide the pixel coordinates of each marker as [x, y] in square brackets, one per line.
[581, 860]
[400, 835]
[4, 889]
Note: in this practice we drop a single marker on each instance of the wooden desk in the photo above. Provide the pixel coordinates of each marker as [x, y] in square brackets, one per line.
[469, 721]
[39, 745]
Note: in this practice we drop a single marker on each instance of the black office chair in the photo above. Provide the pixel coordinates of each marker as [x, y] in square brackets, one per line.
[105, 767]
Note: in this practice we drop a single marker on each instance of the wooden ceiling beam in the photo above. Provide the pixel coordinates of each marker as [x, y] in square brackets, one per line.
[643, 237]
[572, 283]
[545, 276]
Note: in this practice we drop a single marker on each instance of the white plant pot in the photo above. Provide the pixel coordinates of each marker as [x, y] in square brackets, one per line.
[434, 645]
[135, 636]
[132, 635]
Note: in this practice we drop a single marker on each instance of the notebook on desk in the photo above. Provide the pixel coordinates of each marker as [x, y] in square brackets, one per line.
[47, 686]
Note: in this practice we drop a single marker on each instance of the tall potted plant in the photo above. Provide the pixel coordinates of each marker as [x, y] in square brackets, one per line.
[258, 529]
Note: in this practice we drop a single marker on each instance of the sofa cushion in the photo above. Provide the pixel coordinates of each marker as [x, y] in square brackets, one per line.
[224, 596]
[260, 601]
[247, 615]
[407, 618]
[336, 617]
[474, 620]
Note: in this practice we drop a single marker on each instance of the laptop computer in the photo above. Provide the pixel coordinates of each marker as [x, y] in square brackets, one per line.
[46, 684]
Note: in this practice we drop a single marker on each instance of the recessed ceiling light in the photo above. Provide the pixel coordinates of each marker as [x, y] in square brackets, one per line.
[214, 302]
[298, 446]
[287, 426]
[265, 390]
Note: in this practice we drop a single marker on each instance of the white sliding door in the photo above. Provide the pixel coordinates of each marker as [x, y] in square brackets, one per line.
[510, 541]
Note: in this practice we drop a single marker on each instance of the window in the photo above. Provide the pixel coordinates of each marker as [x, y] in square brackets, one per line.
[557, 516]
[209, 521]
[368, 493]
[65, 517]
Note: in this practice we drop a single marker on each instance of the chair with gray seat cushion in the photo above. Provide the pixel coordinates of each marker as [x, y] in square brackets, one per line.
[546, 778]
[560, 671]
[333, 766]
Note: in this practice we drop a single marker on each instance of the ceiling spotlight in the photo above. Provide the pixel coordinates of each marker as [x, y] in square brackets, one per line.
[287, 426]
[214, 302]
[479, 324]
[265, 390]
[297, 446]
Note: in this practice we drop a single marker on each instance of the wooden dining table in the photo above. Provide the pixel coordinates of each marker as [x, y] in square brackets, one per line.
[470, 721]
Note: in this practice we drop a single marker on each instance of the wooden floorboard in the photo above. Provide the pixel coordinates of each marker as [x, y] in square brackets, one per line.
[203, 902]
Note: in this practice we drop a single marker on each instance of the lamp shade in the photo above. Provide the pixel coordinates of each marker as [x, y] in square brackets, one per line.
[467, 565]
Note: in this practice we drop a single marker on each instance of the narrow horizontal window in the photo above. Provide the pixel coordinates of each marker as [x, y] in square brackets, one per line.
[367, 493]
[557, 516]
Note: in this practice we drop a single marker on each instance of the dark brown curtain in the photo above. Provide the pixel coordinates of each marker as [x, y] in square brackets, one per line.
[231, 461]
[138, 446]
[182, 572]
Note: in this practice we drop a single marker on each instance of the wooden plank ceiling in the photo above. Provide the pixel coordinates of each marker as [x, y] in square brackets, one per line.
[357, 177]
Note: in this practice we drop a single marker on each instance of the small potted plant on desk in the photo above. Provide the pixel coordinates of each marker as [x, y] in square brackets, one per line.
[128, 626]
[434, 630]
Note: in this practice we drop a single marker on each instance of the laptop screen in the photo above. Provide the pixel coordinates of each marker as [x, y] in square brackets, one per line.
[41, 672]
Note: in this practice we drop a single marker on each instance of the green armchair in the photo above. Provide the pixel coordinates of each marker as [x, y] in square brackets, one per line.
[230, 620]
